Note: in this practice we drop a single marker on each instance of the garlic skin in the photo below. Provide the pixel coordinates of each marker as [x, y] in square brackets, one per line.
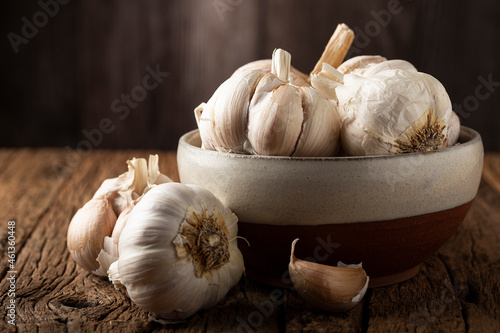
[325, 287]
[178, 251]
[95, 221]
[129, 186]
[395, 111]
[327, 80]
[258, 113]
[359, 64]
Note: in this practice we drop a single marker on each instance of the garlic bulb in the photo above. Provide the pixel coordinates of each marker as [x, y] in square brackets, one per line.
[287, 120]
[96, 219]
[266, 114]
[325, 287]
[395, 111]
[178, 251]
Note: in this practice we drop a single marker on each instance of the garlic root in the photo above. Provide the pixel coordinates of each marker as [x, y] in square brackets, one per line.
[325, 287]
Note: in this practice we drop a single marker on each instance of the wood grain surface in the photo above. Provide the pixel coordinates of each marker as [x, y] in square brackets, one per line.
[457, 289]
[64, 80]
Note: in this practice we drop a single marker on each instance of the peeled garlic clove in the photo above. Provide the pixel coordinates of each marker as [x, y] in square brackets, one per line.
[86, 232]
[358, 65]
[328, 288]
[178, 251]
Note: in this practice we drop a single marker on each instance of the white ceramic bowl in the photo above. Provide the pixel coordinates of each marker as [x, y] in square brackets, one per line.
[412, 203]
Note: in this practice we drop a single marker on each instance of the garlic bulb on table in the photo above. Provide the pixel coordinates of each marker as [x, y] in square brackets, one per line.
[395, 111]
[254, 112]
[96, 219]
[178, 251]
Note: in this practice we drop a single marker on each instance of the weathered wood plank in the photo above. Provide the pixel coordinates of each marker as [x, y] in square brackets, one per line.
[51, 291]
[28, 186]
[472, 258]
[425, 303]
[491, 170]
[456, 290]
[301, 317]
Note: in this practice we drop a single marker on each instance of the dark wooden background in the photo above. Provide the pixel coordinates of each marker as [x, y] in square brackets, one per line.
[64, 79]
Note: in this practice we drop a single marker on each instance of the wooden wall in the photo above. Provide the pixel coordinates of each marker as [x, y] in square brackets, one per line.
[65, 78]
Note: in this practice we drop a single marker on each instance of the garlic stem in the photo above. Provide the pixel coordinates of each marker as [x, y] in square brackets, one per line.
[336, 49]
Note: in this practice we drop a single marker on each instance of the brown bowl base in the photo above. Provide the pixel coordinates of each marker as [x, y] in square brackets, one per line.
[390, 251]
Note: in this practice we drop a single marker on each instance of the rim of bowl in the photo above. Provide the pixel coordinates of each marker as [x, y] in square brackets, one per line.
[467, 137]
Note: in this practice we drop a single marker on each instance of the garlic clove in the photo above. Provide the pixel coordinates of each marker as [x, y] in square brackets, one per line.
[222, 121]
[321, 127]
[109, 253]
[325, 287]
[275, 117]
[86, 232]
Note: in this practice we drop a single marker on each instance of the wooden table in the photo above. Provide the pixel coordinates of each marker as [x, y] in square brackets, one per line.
[457, 289]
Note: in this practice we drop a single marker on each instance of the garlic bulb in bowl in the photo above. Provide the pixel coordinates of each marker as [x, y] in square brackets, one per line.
[266, 114]
[178, 251]
[395, 111]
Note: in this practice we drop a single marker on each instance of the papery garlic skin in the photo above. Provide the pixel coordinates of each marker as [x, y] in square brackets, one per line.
[178, 251]
[359, 64]
[394, 111]
[129, 186]
[325, 287]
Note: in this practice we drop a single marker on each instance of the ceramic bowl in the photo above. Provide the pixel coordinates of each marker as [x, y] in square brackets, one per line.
[389, 212]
